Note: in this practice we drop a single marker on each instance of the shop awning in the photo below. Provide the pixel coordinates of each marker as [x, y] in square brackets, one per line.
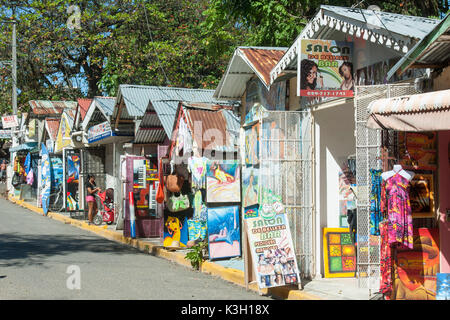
[420, 112]
[24, 147]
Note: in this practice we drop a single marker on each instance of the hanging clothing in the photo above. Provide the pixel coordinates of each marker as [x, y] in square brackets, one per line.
[197, 168]
[397, 207]
[352, 225]
[385, 261]
[375, 202]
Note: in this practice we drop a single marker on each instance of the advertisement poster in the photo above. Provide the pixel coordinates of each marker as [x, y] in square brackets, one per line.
[339, 253]
[272, 251]
[5, 134]
[418, 150]
[99, 132]
[421, 196]
[223, 183]
[416, 270]
[326, 69]
[10, 122]
[252, 144]
[73, 163]
[224, 232]
[250, 186]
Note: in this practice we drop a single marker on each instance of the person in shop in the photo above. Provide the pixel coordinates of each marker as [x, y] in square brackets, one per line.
[3, 171]
[91, 191]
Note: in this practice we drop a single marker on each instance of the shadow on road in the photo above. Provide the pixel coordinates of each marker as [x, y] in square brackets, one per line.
[23, 250]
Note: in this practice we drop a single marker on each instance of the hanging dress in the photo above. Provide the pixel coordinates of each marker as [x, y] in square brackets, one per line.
[375, 200]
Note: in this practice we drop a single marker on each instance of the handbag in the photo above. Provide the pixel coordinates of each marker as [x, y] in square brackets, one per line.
[174, 183]
[179, 203]
[160, 192]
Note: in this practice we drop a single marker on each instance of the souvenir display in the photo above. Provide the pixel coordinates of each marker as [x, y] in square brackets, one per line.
[223, 181]
[224, 232]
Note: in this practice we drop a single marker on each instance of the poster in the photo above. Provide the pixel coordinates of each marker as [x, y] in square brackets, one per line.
[73, 163]
[223, 183]
[251, 212]
[421, 196]
[326, 69]
[224, 232]
[339, 253]
[252, 144]
[418, 150]
[415, 270]
[250, 186]
[175, 231]
[443, 286]
[272, 251]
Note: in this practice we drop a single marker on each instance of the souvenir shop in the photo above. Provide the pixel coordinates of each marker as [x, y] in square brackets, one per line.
[200, 181]
[409, 204]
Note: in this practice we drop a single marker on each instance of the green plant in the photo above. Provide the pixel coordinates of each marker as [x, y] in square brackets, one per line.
[195, 255]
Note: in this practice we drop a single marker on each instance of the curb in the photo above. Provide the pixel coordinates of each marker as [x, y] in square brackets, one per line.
[231, 275]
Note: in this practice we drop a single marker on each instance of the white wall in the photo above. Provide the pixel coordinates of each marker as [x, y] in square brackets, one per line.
[335, 141]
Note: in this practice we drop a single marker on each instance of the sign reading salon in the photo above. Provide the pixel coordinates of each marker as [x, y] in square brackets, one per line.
[99, 132]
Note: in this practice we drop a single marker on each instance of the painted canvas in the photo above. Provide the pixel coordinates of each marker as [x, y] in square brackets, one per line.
[252, 144]
[339, 253]
[421, 195]
[251, 212]
[223, 181]
[224, 232]
[415, 270]
[272, 251]
[72, 180]
[443, 286]
[250, 186]
[175, 231]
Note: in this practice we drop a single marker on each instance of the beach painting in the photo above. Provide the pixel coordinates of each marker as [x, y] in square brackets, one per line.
[224, 232]
[223, 181]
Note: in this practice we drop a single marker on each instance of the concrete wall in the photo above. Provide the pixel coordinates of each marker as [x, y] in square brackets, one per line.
[335, 141]
[442, 82]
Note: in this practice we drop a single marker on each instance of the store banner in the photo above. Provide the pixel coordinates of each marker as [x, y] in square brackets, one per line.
[10, 122]
[99, 132]
[5, 134]
[272, 251]
[325, 68]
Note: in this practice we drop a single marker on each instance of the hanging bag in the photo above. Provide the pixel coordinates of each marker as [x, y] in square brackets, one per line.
[176, 204]
[160, 192]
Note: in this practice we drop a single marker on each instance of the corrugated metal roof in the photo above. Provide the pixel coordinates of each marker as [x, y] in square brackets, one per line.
[218, 127]
[137, 98]
[246, 63]
[150, 135]
[46, 107]
[106, 103]
[394, 31]
[83, 106]
[52, 126]
[432, 49]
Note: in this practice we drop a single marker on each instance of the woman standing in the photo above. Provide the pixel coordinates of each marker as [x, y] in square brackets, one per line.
[91, 190]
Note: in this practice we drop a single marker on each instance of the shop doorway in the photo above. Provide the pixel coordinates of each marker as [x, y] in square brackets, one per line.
[369, 156]
[92, 162]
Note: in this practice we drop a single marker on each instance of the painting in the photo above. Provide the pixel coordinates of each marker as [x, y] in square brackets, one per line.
[72, 180]
[443, 286]
[418, 150]
[175, 231]
[339, 253]
[415, 271]
[223, 183]
[224, 232]
[252, 144]
[250, 186]
[251, 212]
[421, 196]
[272, 251]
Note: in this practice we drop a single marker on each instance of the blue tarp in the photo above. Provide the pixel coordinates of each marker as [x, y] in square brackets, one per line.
[27, 146]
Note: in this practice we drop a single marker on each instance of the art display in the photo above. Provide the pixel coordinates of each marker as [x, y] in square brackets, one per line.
[73, 164]
[223, 181]
[421, 196]
[251, 212]
[45, 179]
[175, 231]
[224, 232]
[326, 69]
[418, 150]
[252, 144]
[145, 183]
[415, 271]
[250, 186]
[339, 253]
[57, 173]
[272, 251]
[443, 286]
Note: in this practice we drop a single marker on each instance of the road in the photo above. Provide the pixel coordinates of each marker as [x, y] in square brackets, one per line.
[39, 255]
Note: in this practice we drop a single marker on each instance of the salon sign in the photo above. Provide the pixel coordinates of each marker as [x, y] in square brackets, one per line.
[99, 131]
[325, 69]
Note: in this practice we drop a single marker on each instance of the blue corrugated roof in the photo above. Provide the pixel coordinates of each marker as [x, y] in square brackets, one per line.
[107, 104]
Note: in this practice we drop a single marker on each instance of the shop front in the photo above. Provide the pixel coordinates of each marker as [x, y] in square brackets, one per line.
[415, 155]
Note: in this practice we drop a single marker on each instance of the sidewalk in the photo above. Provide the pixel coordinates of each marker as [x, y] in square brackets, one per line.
[231, 270]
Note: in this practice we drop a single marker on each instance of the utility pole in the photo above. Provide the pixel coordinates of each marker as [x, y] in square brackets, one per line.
[14, 69]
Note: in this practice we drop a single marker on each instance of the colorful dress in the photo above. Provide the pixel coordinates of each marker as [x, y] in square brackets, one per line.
[385, 261]
[375, 200]
[395, 197]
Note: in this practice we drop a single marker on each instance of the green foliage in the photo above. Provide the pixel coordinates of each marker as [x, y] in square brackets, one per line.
[195, 255]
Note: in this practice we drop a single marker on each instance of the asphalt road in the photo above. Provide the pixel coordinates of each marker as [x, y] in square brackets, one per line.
[40, 259]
